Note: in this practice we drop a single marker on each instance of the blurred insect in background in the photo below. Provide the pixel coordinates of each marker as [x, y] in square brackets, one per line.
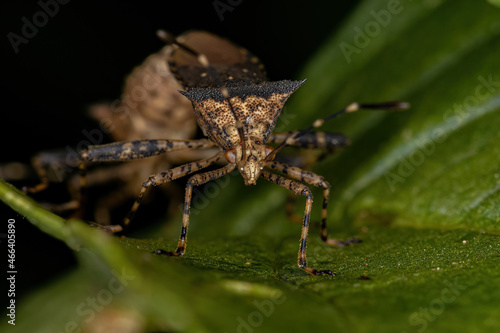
[237, 110]
[150, 107]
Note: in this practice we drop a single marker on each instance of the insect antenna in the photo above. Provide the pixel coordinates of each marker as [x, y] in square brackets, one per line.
[353, 107]
[202, 59]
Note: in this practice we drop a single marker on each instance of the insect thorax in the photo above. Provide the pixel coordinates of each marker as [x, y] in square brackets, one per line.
[256, 106]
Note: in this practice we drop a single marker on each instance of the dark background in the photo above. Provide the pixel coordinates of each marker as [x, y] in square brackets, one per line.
[81, 57]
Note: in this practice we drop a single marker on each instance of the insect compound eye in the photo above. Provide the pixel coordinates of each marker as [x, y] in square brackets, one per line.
[230, 155]
[269, 150]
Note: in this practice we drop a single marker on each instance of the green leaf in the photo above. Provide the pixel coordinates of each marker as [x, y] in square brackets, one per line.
[420, 187]
[494, 2]
[438, 163]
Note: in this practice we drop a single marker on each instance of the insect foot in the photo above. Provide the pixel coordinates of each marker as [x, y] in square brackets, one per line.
[316, 272]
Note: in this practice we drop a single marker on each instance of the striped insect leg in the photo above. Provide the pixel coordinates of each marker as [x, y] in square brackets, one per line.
[311, 140]
[132, 150]
[41, 171]
[194, 180]
[166, 176]
[301, 189]
[316, 180]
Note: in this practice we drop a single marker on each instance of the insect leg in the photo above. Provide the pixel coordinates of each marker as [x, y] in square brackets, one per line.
[311, 140]
[108, 175]
[42, 174]
[130, 150]
[50, 166]
[166, 176]
[313, 179]
[301, 189]
[133, 150]
[353, 107]
[194, 180]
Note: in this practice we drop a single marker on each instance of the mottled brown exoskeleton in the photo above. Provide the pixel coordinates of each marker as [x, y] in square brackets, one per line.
[150, 107]
[237, 109]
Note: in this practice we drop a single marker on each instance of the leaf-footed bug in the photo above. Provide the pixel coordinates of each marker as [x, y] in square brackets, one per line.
[237, 109]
